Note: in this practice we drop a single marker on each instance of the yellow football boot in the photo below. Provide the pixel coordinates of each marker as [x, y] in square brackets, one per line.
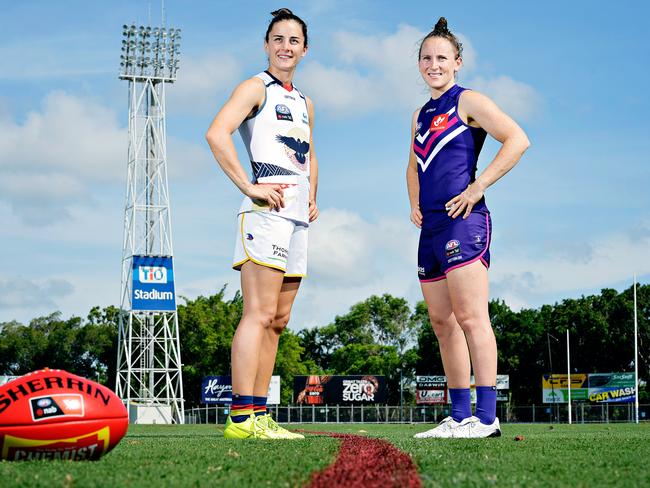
[274, 428]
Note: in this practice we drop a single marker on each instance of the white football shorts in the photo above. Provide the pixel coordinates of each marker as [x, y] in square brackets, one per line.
[272, 241]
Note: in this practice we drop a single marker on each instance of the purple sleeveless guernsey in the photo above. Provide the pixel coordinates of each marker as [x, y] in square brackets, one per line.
[447, 151]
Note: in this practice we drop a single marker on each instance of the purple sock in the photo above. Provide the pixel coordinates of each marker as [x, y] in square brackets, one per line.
[461, 406]
[486, 404]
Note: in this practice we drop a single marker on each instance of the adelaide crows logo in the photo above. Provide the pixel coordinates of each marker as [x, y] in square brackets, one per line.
[296, 145]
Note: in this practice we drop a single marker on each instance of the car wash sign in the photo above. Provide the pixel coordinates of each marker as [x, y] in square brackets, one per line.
[153, 284]
[612, 388]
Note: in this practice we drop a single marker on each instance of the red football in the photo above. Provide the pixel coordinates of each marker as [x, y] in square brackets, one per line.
[52, 414]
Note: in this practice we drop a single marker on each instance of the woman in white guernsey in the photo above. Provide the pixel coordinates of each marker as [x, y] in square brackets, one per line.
[275, 121]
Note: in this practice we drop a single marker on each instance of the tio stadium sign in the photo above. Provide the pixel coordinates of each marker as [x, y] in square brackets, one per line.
[153, 284]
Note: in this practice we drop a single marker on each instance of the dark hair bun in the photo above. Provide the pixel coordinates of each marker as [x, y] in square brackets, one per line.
[281, 11]
[441, 27]
[441, 30]
[281, 15]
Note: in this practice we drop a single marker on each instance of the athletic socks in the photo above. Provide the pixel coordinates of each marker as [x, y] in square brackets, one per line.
[461, 406]
[259, 405]
[242, 407]
[486, 404]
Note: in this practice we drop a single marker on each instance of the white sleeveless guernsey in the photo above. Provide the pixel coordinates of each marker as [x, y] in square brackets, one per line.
[277, 140]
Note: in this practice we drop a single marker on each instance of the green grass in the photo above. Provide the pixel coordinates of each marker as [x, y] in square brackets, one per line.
[190, 455]
[197, 455]
[567, 455]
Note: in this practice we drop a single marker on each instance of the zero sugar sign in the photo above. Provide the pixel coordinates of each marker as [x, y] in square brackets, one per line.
[153, 283]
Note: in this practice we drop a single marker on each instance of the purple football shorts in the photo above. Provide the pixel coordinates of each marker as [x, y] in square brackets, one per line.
[454, 244]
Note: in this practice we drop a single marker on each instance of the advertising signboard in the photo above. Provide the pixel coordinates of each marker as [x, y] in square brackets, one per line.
[153, 284]
[430, 390]
[335, 390]
[217, 390]
[612, 388]
[555, 388]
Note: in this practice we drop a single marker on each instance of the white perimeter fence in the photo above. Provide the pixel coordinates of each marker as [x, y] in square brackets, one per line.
[581, 413]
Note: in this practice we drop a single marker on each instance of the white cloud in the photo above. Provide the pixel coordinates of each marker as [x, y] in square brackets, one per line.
[470, 55]
[53, 158]
[72, 148]
[341, 245]
[54, 56]
[339, 92]
[351, 258]
[374, 72]
[203, 83]
[517, 99]
[69, 135]
[528, 281]
[186, 160]
[378, 73]
[19, 293]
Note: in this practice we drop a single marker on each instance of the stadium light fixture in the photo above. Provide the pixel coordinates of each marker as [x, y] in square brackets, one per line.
[150, 53]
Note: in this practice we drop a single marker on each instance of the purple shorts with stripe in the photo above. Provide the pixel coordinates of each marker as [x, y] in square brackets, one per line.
[456, 243]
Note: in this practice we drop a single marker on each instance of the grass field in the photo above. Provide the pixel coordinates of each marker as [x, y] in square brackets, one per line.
[198, 455]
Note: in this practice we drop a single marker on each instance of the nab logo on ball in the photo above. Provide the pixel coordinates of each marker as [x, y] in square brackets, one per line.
[52, 414]
[57, 406]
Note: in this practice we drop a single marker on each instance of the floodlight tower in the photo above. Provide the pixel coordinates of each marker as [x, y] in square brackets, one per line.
[149, 377]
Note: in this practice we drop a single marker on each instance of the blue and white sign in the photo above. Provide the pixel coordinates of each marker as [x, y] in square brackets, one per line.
[153, 283]
[218, 390]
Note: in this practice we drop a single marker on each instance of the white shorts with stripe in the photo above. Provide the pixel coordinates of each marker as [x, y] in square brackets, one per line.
[272, 241]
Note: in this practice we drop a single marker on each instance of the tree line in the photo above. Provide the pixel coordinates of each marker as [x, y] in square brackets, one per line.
[382, 335]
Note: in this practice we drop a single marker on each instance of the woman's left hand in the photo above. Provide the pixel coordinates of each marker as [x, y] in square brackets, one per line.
[464, 203]
[313, 210]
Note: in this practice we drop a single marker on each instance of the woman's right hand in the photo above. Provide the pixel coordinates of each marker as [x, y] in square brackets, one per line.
[416, 217]
[271, 195]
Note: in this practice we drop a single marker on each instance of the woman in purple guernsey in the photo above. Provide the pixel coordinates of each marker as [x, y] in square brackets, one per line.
[448, 205]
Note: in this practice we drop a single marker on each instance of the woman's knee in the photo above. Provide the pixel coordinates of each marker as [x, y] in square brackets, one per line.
[472, 323]
[261, 317]
[280, 322]
[443, 327]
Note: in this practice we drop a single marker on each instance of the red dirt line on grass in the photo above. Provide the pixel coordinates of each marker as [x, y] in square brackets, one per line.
[364, 462]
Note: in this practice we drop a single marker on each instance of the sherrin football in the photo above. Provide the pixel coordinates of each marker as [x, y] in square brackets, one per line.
[52, 414]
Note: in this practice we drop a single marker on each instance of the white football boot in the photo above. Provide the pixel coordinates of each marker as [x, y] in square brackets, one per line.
[472, 428]
[443, 430]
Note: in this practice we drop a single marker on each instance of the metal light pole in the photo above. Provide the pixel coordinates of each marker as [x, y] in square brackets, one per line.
[636, 360]
[568, 367]
[550, 360]
[149, 377]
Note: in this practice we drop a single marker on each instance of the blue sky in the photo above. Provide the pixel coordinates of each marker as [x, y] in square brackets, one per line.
[570, 219]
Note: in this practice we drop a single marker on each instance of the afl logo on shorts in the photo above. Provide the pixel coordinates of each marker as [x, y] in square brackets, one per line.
[451, 245]
[249, 236]
[283, 113]
[452, 248]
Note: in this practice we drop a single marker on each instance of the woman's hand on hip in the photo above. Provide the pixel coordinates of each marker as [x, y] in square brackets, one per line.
[464, 203]
[272, 195]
